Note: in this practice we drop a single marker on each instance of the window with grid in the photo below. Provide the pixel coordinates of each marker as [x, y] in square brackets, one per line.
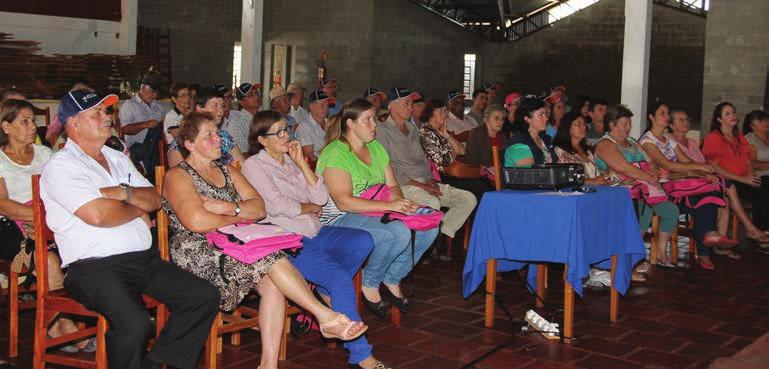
[468, 78]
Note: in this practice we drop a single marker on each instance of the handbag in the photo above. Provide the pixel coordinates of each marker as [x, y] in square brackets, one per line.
[702, 190]
[248, 243]
[425, 219]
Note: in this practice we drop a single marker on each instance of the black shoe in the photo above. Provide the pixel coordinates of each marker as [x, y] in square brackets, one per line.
[377, 308]
[401, 303]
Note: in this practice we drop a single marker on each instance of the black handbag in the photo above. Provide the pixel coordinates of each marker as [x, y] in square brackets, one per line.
[12, 239]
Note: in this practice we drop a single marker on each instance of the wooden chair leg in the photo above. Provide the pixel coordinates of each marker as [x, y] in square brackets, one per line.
[357, 283]
[395, 316]
[692, 246]
[160, 319]
[468, 228]
[449, 242]
[674, 245]
[541, 288]
[101, 342]
[41, 336]
[211, 343]
[13, 315]
[735, 226]
[235, 336]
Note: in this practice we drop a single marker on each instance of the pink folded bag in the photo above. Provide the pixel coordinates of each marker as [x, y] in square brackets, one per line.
[417, 222]
[250, 244]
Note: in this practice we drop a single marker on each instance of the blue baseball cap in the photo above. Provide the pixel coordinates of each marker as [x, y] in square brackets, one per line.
[320, 96]
[400, 92]
[373, 91]
[454, 94]
[74, 102]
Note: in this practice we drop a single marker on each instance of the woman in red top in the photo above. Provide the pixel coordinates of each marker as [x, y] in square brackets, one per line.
[726, 148]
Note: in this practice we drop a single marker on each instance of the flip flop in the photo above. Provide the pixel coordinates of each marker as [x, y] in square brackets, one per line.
[342, 320]
[720, 242]
[731, 254]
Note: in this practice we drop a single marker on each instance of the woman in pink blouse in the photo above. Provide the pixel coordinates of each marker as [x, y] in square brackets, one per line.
[294, 196]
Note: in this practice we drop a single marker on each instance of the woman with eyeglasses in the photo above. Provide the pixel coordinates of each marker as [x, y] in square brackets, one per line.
[202, 195]
[293, 197]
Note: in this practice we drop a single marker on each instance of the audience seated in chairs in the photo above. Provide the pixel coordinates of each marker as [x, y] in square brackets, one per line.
[726, 148]
[20, 159]
[209, 101]
[293, 196]
[665, 153]
[530, 144]
[483, 138]
[203, 195]
[141, 121]
[621, 157]
[98, 207]
[400, 137]
[443, 150]
[352, 162]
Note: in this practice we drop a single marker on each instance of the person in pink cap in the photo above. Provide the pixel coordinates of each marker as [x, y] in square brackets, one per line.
[512, 101]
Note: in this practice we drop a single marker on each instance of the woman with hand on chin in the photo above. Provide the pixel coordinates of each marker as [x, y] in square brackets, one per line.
[351, 162]
[203, 195]
[293, 197]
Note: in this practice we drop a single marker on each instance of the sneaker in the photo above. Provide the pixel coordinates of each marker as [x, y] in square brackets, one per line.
[600, 278]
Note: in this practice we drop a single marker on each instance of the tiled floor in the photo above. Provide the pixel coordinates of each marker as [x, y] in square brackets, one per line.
[681, 318]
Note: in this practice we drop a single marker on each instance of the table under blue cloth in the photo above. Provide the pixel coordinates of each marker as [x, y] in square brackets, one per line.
[522, 227]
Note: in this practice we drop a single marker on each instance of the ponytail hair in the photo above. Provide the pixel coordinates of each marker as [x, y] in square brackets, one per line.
[337, 127]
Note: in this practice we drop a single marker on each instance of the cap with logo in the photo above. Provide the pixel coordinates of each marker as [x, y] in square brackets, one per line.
[320, 96]
[399, 93]
[74, 102]
[325, 82]
[244, 88]
[489, 85]
[222, 89]
[374, 92]
[455, 94]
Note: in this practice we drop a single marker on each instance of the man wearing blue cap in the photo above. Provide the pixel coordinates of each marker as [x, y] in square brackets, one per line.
[400, 137]
[313, 132]
[140, 120]
[456, 124]
[98, 208]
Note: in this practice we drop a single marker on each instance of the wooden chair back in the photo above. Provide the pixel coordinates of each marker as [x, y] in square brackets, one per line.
[458, 169]
[497, 163]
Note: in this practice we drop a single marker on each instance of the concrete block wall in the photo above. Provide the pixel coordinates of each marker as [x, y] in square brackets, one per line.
[203, 34]
[736, 55]
[341, 28]
[584, 53]
[416, 49]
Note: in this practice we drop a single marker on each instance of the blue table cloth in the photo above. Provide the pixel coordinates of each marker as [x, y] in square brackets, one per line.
[521, 227]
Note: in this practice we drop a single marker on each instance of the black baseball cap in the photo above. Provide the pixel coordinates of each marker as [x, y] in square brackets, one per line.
[74, 102]
[400, 92]
[319, 96]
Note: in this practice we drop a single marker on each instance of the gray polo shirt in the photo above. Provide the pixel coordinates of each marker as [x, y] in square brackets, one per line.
[407, 158]
[135, 111]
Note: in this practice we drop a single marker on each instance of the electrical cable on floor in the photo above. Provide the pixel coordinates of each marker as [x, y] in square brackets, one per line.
[513, 322]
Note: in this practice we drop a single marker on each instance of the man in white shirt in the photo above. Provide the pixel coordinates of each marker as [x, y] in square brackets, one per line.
[295, 99]
[456, 124]
[313, 132]
[180, 96]
[249, 98]
[98, 208]
[140, 120]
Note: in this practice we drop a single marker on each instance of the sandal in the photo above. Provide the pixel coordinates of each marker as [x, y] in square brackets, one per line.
[763, 239]
[706, 265]
[667, 264]
[70, 349]
[719, 242]
[638, 277]
[643, 267]
[342, 320]
[731, 254]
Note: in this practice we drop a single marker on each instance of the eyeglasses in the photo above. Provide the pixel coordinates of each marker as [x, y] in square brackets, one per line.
[283, 132]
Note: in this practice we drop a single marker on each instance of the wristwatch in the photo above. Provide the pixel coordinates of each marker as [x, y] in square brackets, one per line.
[127, 190]
[237, 208]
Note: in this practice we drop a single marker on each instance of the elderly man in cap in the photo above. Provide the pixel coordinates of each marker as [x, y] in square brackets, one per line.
[279, 101]
[329, 87]
[296, 99]
[98, 208]
[400, 137]
[313, 132]
[456, 124]
[140, 119]
[417, 109]
[249, 98]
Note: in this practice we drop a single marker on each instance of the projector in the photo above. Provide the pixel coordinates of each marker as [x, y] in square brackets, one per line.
[544, 176]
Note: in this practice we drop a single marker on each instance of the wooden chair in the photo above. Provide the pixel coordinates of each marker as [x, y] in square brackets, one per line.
[459, 169]
[50, 304]
[14, 306]
[240, 318]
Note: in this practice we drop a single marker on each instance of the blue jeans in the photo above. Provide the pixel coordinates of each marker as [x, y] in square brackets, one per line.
[330, 260]
[391, 260]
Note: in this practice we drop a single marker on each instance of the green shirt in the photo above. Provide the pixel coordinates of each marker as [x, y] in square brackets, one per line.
[516, 153]
[338, 155]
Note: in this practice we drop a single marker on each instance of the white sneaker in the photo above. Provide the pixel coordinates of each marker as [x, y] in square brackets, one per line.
[599, 278]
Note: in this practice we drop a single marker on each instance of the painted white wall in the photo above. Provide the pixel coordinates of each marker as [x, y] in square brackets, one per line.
[63, 35]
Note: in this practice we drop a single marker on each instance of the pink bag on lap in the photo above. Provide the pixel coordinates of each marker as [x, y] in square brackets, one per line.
[417, 222]
[262, 241]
